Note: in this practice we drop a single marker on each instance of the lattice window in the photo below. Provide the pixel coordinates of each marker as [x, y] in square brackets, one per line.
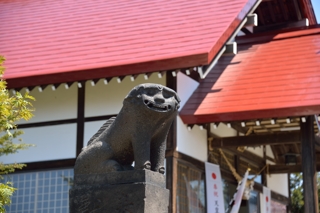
[43, 191]
[190, 190]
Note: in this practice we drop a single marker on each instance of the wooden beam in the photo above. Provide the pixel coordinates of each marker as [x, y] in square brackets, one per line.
[257, 140]
[171, 161]
[284, 25]
[283, 9]
[53, 164]
[271, 11]
[297, 9]
[80, 117]
[284, 169]
[248, 155]
[171, 182]
[308, 154]
[246, 31]
[171, 82]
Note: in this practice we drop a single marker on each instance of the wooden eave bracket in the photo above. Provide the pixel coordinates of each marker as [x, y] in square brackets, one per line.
[231, 49]
[203, 73]
[252, 20]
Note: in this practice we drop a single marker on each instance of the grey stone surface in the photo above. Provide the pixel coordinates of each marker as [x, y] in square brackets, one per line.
[137, 134]
[120, 192]
[123, 177]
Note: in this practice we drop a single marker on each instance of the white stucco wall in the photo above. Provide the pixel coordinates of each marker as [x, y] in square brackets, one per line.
[107, 99]
[223, 130]
[51, 143]
[256, 150]
[90, 128]
[278, 183]
[192, 143]
[54, 105]
[185, 87]
[269, 151]
[59, 141]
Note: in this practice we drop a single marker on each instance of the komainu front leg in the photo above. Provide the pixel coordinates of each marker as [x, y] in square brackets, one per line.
[141, 150]
[158, 150]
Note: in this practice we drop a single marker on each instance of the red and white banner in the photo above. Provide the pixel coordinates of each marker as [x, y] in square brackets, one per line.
[265, 200]
[238, 195]
[215, 198]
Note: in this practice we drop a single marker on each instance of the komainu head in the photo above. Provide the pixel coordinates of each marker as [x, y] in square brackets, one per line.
[154, 97]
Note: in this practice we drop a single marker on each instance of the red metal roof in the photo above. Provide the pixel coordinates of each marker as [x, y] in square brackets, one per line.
[273, 75]
[53, 41]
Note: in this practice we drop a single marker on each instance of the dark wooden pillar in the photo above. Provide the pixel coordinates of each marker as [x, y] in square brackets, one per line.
[308, 155]
[80, 117]
[171, 160]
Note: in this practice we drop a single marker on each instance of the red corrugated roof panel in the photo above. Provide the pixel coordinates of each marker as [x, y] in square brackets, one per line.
[52, 41]
[272, 75]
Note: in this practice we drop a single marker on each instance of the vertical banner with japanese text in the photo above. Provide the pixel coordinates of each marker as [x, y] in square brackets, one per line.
[265, 201]
[215, 198]
[262, 203]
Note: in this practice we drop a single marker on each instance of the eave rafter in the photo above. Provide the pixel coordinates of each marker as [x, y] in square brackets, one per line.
[257, 140]
[281, 144]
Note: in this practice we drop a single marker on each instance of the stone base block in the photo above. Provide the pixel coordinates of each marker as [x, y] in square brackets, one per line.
[120, 192]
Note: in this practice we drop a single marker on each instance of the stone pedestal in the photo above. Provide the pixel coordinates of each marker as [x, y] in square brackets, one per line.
[119, 192]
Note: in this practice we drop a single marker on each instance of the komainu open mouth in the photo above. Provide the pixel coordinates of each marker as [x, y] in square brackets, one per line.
[157, 107]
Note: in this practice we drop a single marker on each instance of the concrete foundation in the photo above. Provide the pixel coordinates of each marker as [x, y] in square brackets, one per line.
[134, 191]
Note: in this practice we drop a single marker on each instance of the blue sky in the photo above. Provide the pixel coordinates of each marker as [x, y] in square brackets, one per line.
[316, 8]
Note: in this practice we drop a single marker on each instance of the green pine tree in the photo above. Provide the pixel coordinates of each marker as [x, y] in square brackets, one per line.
[12, 108]
[296, 188]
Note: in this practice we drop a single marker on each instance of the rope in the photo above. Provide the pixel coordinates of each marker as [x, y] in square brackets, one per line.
[232, 169]
[234, 172]
[259, 172]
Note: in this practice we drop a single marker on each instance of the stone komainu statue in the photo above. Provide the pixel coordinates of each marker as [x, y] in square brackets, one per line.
[137, 134]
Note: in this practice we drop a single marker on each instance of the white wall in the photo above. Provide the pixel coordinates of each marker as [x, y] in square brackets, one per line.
[223, 130]
[90, 128]
[59, 141]
[185, 88]
[278, 183]
[51, 143]
[269, 151]
[53, 105]
[107, 99]
[256, 150]
[194, 142]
